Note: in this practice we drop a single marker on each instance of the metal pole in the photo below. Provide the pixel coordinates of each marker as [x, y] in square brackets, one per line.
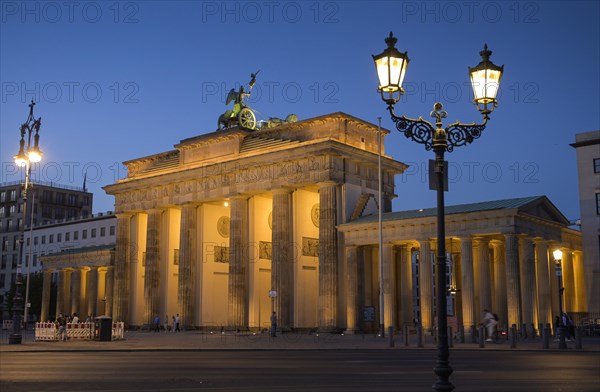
[26, 307]
[381, 310]
[442, 367]
[16, 337]
[562, 344]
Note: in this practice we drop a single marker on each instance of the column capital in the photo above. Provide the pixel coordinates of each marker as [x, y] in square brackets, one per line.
[328, 183]
[282, 191]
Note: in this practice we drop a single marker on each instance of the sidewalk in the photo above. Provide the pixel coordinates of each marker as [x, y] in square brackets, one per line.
[196, 340]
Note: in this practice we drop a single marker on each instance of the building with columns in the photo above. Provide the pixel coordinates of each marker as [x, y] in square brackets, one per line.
[500, 258]
[208, 229]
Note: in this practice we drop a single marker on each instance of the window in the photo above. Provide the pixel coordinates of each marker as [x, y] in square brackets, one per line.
[93, 233]
[4, 244]
[75, 235]
[597, 203]
[43, 239]
[2, 280]
[61, 198]
[47, 196]
[67, 236]
[3, 266]
[597, 165]
[51, 238]
[103, 232]
[26, 260]
[84, 234]
[35, 260]
[13, 195]
[59, 213]
[11, 210]
[47, 212]
[28, 241]
[59, 237]
[14, 261]
[35, 240]
[3, 196]
[72, 199]
[112, 230]
[9, 225]
[2, 212]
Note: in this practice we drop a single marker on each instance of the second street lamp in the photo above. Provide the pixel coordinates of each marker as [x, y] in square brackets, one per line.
[485, 78]
[28, 153]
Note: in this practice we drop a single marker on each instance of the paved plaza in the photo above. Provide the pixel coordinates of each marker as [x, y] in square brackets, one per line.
[215, 340]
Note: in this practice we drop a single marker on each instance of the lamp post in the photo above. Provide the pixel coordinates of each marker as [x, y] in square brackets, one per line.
[562, 344]
[485, 78]
[27, 155]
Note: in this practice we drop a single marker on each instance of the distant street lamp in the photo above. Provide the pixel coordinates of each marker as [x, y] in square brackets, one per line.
[485, 79]
[562, 344]
[27, 155]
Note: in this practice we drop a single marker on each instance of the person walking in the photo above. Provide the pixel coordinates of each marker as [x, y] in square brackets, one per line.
[273, 325]
[176, 326]
[61, 321]
[157, 323]
[490, 322]
[166, 323]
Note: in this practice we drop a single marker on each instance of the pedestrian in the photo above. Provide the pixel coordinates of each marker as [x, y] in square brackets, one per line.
[75, 318]
[490, 322]
[166, 324]
[568, 327]
[157, 323]
[173, 324]
[177, 320]
[273, 325]
[61, 321]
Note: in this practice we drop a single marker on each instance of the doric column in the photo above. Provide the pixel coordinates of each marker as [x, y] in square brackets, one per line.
[389, 294]
[46, 286]
[109, 293]
[188, 248]
[426, 285]
[120, 305]
[500, 283]
[568, 280]
[238, 263]
[543, 282]
[152, 273]
[352, 290]
[327, 256]
[282, 256]
[483, 259]
[579, 278]
[406, 289]
[468, 283]
[75, 290]
[513, 279]
[60, 291]
[529, 292]
[92, 285]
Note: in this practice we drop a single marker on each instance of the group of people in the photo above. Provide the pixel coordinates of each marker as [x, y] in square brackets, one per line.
[567, 324]
[63, 320]
[175, 320]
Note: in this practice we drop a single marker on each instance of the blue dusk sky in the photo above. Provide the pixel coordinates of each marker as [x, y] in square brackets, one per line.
[118, 80]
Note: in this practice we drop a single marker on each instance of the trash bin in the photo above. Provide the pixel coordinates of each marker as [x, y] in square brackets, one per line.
[104, 328]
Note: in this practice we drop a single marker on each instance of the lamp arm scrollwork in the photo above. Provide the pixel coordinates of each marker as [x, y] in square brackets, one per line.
[458, 134]
[418, 130]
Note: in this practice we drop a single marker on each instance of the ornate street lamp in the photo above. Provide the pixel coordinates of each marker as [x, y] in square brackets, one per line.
[562, 344]
[28, 153]
[485, 78]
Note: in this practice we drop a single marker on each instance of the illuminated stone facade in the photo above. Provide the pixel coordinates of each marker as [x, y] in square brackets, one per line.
[208, 229]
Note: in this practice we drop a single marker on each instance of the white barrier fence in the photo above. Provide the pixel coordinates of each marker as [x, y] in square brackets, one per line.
[48, 331]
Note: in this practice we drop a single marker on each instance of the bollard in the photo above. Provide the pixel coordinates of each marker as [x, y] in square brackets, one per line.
[546, 338]
[420, 336]
[405, 332]
[391, 336]
[450, 340]
[461, 333]
[473, 334]
[513, 336]
[481, 337]
[578, 344]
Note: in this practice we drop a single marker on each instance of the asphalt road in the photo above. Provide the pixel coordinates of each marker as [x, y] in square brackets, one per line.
[303, 370]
